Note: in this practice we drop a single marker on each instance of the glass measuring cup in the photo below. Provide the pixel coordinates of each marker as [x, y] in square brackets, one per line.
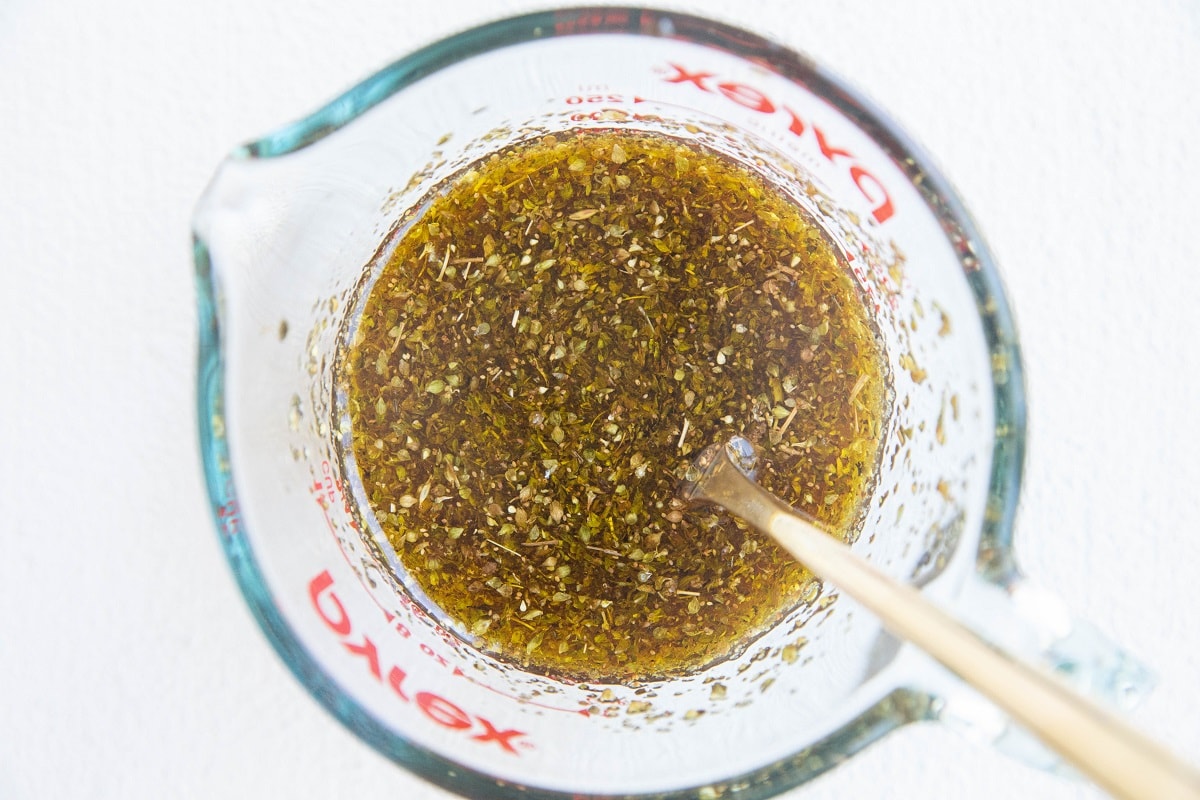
[285, 236]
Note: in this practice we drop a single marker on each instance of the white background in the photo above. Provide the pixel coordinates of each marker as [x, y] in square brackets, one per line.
[129, 666]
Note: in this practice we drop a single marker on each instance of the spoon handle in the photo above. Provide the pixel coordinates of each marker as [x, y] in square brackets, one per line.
[1118, 758]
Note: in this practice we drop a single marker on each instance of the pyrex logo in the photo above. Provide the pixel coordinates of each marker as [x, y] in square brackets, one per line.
[433, 706]
[749, 97]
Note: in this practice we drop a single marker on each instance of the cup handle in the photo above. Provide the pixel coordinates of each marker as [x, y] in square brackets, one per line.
[1035, 626]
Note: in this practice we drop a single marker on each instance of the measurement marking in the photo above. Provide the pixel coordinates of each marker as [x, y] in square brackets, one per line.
[520, 699]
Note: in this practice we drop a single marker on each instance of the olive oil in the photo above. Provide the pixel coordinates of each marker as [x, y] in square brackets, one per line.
[544, 352]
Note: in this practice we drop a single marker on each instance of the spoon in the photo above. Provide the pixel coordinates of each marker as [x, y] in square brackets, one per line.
[1099, 744]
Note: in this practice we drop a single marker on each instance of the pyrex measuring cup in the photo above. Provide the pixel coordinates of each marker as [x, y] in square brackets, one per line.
[284, 242]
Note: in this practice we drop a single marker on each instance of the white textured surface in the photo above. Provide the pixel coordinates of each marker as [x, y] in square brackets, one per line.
[129, 667]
